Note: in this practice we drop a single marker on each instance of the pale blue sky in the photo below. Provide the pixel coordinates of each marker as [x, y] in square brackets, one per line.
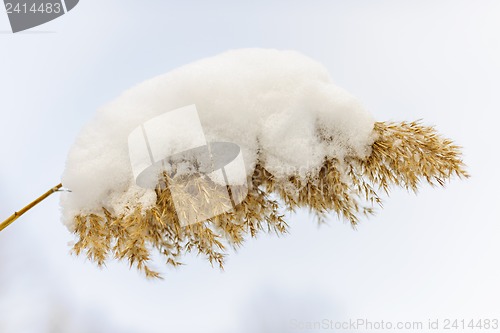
[426, 256]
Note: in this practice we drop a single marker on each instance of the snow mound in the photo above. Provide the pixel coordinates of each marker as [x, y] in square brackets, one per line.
[280, 107]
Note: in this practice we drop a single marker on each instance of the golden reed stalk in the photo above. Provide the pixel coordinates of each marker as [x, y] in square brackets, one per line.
[18, 214]
[404, 154]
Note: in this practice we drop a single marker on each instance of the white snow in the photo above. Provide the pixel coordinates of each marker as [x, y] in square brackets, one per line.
[275, 101]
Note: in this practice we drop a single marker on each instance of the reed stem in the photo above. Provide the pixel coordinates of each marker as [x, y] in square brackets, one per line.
[18, 214]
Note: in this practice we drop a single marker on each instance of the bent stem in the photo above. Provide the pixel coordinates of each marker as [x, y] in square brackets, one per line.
[18, 214]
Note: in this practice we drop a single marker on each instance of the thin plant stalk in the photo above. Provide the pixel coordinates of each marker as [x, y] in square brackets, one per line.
[18, 214]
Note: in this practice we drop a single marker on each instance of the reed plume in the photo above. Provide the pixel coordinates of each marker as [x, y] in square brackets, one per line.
[404, 154]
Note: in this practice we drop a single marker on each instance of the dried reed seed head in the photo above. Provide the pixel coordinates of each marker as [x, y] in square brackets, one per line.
[404, 154]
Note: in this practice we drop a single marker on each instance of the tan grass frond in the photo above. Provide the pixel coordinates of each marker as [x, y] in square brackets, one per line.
[403, 154]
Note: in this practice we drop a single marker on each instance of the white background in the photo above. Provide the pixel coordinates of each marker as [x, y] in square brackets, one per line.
[435, 255]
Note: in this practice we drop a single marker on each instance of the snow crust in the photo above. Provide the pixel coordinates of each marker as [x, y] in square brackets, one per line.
[280, 107]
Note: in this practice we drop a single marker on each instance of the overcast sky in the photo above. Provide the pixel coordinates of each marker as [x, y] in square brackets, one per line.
[435, 255]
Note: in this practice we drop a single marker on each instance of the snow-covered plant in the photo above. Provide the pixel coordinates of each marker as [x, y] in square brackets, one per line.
[304, 142]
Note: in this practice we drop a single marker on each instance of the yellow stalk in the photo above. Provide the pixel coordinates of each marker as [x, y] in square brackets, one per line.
[16, 215]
